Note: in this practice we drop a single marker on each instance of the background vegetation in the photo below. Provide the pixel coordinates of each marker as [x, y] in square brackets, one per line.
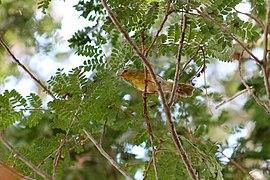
[90, 122]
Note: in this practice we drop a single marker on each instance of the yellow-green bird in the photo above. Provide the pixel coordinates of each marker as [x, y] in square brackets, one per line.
[137, 79]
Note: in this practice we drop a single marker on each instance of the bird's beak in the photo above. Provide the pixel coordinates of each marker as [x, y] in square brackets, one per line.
[120, 75]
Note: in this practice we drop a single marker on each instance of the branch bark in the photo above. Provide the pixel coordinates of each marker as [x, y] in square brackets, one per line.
[109, 158]
[238, 166]
[263, 105]
[178, 65]
[57, 158]
[233, 97]
[168, 12]
[265, 53]
[147, 120]
[21, 157]
[175, 138]
[224, 29]
[25, 69]
[150, 131]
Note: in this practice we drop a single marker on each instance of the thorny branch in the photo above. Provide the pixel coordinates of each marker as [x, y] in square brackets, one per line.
[21, 157]
[107, 156]
[176, 140]
[25, 69]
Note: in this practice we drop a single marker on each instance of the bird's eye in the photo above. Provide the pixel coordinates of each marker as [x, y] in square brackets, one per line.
[125, 71]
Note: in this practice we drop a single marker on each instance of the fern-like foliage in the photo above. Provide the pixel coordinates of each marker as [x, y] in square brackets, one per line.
[44, 5]
[94, 97]
[9, 102]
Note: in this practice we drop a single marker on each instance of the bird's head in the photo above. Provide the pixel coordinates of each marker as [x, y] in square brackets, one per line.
[127, 74]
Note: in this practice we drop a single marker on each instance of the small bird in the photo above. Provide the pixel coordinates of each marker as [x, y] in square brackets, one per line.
[137, 79]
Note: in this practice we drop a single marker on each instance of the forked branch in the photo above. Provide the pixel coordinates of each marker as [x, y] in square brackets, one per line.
[176, 140]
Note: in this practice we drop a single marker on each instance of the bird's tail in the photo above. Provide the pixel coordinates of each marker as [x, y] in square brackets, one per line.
[185, 90]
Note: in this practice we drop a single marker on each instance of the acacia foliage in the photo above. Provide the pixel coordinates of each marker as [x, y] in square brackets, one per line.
[112, 110]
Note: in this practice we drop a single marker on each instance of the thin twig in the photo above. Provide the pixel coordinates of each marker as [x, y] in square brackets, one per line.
[25, 69]
[178, 65]
[232, 98]
[152, 160]
[204, 79]
[21, 157]
[145, 112]
[176, 140]
[103, 131]
[187, 63]
[57, 158]
[255, 18]
[107, 156]
[64, 140]
[168, 12]
[238, 166]
[224, 29]
[265, 53]
[264, 106]
[150, 131]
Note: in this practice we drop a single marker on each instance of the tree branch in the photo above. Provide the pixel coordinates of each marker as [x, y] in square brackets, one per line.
[238, 166]
[265, 53]
[107, 156]
[178, 65]
[103, 131]
[145, 112]
[255, 18]
[176, 140]
[149, 128]
[152, 160]
[57, 158]
[264, 106]
[233, 97]
[224, 29]
[25, 69]
[187, 63]
[204, 79]
[168, 12]
[21, 157]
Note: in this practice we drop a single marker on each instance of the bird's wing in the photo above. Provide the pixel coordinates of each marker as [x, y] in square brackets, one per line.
[185, 90]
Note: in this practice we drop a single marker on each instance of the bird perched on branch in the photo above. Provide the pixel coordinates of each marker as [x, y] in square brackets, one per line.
[137, 79]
